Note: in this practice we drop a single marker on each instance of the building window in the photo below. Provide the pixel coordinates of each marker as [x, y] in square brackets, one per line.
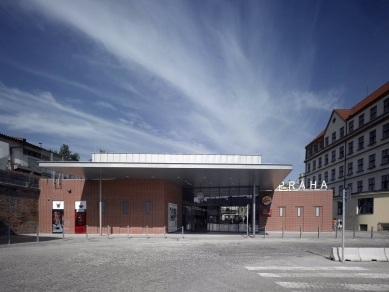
[373, 113]
[350, 147]
[125, 207]
[361, 142]
[298, 211]
[314, 148]
[340, 191]
[309, 152]
[282, 211]
[326, 159]
[314, 165]
[360, 186]
[333, 137]
[350, 188]
[351, 127]
[340, 208]
[326, 139]
[341, 132]
[333, 156]
[385, 156]
[147, 207]
[332, 174]
[103, 207]
[372, 137]
[326, 176]
[321, 144]
[385, 131]
[341, 152]
[371, 184]
[309, 167]
[309, 183]
[386, 105]
[371, 161]
[320, 161]
[360, 164]
[366, 206]
[341, 171]
[385, 181]
[314, 179]
[333, 191]
[350, 168]
[317, 211]
[361, 120]
[319, 178]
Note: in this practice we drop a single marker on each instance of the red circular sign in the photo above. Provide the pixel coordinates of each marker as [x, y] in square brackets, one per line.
[266, 200]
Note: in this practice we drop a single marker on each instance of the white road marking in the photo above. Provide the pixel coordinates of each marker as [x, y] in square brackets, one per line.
[335, 287]
[325, 275]
[306, 268]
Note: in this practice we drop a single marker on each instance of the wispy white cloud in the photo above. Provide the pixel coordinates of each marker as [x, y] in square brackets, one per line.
[187, 82]
[105, 104]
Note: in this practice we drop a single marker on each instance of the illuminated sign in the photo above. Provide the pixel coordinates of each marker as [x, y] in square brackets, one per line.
[266, 200]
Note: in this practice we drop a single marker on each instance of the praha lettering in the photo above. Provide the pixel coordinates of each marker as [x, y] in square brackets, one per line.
[313, 186]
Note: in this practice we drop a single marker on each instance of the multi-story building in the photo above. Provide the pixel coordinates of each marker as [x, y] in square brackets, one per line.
[352, 153]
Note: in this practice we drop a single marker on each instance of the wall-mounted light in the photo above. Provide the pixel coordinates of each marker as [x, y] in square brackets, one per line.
[69, 191]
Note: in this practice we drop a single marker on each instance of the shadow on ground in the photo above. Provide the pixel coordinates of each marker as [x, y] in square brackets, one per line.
[25, 239]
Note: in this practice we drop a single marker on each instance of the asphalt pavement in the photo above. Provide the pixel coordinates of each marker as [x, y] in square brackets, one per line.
[197, 262]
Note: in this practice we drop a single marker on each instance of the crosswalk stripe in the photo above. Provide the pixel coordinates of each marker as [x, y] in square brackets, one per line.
[335, 287]
[306, 268]
[325, 275]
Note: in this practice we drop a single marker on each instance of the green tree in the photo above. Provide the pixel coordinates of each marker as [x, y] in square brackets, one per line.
[65, 152]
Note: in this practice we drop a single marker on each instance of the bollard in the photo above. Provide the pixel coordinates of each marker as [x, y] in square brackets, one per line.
[108, 231]
[182, 231]
[37, 233]
[372, 232]
[128, 231]
[9, 234]
[301, 232]
[63, 232]
[336, 233]
[354, 231]
[282, 231]
[264, 236]
[86, 232]
[164, 231]
[147, 232]
[318, 231]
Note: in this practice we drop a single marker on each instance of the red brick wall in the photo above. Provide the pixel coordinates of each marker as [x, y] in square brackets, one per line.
[158, 192]
[308, 200]
[18, 209]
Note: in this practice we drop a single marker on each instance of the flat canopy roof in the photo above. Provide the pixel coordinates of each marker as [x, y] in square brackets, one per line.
[183, 170]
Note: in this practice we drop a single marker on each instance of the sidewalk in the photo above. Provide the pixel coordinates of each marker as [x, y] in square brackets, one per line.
[210, 236]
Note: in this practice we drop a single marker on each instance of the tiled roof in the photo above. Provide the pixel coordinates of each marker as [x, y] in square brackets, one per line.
[343, 113]
[346, 113]
[372, 97]
[23, 141]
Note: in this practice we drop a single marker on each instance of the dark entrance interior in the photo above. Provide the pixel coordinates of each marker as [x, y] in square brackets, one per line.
[218, 209]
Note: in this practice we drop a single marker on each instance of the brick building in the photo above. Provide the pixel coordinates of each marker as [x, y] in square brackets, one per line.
[197, 192]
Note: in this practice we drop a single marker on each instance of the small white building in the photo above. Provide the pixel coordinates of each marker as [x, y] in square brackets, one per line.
[24, 156]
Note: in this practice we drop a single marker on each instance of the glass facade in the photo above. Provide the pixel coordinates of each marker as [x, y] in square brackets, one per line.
[219, 209]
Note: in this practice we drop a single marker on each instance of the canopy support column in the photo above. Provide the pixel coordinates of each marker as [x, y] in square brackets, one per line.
[100, 207]
[253, 207]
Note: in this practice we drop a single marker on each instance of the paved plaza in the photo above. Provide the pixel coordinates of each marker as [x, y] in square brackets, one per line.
[208, 262]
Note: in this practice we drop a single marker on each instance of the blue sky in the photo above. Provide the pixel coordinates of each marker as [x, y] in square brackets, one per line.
[224, 77]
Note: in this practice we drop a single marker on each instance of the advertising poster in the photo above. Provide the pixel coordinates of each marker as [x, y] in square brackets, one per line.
[57, 221]
[172, 217]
